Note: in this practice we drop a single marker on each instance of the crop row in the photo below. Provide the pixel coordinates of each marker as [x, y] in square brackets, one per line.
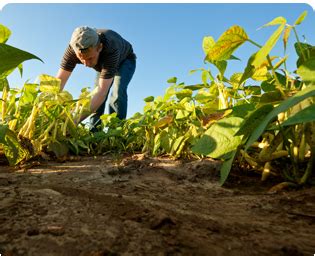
[226, 118]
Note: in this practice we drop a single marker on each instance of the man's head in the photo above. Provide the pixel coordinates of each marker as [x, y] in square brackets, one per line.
[85, 42]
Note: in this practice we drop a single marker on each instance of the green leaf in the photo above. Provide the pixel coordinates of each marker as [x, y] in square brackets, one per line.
[226, 168]
[196, 87]
[252, 90]
[300, 18]
[271, 97]
[253, 119]
[165, 141]
[268, 86]
[205, 145]
[307, 71]
[178, 145]
[73, 146]
[228, 42]
[303, 116]
[285, 105]
[195, 70]
[281, 78]
[232, 57]
[60, 149]
[20, 67]
[305, 52]
[303, 48]
[172, 80]
[12, 148]
[157, 144]
[29, 94]
[4, 34]
[204, 96]
[205, 74]
[219, 141]
[183, 93]
[149, 99]
[261, 55]
[249, 70]
[169, 93]
[4, 84]
[11, 58]
[243, 109]
[221, 66]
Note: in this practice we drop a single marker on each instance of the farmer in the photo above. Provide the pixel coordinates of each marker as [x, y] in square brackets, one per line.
[113, 59]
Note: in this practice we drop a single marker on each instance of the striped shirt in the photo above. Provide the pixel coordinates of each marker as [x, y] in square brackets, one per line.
[115, 50]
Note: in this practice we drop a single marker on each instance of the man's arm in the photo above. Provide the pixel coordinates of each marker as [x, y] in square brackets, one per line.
[63, 75]
[99, 95]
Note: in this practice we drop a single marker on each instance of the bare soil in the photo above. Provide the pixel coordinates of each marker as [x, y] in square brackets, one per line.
[149, 206]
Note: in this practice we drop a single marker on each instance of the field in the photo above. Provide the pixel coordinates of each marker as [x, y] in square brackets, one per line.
[223, 167]
[139, 205]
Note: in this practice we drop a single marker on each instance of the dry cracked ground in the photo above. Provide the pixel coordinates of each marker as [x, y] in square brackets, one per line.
[149, 206]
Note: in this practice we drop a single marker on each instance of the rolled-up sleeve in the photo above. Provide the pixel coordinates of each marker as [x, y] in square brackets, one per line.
[69, 60]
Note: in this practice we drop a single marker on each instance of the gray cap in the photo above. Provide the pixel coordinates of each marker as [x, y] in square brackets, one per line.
[83, 38]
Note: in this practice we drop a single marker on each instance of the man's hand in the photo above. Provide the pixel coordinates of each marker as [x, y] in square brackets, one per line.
[98, 96]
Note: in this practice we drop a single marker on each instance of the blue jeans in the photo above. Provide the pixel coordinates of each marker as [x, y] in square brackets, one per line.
[118, 98]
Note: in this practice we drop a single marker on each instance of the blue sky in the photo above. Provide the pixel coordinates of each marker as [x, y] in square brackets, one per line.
[167, 38]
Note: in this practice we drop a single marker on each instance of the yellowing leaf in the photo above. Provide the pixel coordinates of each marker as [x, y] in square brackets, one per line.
[300, 18]
[4, 34]
[164, 122]
[261, 74]
[260, 127]
[49, 84]
[228, 42]
[286, 35]
[181, 114]
[65, 96]
[280, 62]
[212, 118]
[261, 55]
[235, 80]
[207, 43]
[277, 21]
[265, 63]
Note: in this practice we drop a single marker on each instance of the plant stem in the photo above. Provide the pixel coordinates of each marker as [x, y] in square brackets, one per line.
[4, 102]
[278, 84]
[259, 46]
[297, 39]
[309, 167]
